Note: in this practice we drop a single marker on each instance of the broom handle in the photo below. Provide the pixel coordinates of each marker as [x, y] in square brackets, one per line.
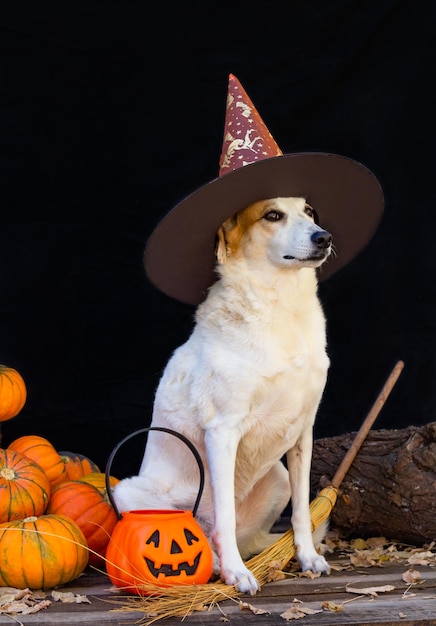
[366, 426]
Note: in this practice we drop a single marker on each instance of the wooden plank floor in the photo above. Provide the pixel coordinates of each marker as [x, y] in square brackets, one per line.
[410, 607]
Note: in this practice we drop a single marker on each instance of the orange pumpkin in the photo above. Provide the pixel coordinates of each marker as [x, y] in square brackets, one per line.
[41, 552]
[24, 487]
[98, 479]
[91, 511]
[77, 465]
[42, 451]
[13, 393]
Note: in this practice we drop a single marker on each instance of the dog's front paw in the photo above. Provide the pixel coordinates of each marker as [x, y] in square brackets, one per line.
[314, 562]
[242, 579]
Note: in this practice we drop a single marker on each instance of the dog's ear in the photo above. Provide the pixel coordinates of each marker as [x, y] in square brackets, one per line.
[221, 246]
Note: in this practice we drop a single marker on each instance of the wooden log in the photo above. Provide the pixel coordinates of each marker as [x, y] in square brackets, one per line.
[390, 488]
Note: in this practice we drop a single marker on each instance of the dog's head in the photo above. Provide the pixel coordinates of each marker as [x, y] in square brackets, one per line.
[285, 231]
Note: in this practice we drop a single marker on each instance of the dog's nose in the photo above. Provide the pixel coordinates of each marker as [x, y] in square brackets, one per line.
[322, 239]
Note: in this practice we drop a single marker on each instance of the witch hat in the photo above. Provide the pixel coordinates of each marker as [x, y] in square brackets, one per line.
[179, 256]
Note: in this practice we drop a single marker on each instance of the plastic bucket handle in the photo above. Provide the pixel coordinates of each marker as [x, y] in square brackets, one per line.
[164, 430]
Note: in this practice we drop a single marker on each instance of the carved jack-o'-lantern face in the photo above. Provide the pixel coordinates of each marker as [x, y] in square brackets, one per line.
[163, 547]
[184, 552]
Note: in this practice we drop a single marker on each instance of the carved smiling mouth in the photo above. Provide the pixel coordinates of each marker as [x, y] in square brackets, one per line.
[167, 570]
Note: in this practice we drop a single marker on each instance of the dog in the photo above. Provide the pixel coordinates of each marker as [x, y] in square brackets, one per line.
[245, 389]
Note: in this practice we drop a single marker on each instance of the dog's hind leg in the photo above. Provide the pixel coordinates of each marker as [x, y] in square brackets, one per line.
[261, 508]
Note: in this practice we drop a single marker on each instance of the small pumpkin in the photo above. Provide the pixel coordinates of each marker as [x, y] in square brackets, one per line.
[24, 487]
[13, 393]
[77, 465]
[54, 548]
[90, 509]
[42, 451]
[98, 479]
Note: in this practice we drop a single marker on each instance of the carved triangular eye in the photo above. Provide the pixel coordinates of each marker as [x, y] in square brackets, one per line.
[190, 537]
[175, 548]
[154, 538]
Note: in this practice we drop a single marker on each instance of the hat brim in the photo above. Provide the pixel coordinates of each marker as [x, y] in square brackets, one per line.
[179, 256]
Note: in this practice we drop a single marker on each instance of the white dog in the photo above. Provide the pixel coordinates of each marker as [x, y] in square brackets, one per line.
[245, 389]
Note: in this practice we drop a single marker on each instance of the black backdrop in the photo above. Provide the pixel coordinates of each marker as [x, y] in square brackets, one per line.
[111, 112]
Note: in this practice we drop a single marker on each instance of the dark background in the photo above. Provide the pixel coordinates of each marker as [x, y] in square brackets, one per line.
[112, 112]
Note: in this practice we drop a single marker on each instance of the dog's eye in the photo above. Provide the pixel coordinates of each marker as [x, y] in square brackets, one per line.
[273, 216]
[310, 211]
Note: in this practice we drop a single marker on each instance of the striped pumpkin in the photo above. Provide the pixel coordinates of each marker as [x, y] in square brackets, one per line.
[42, 451]
[90, 509]
[13, 393]
[77, 465]
[41, 552]
[24, 486]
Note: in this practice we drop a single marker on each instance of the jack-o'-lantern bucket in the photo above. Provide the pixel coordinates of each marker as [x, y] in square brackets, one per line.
[163, 547]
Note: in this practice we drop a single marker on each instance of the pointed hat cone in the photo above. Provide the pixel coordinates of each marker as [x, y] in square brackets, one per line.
[246, 137]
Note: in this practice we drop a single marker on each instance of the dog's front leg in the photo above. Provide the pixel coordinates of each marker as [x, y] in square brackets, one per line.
[221, 446]
[299, 460]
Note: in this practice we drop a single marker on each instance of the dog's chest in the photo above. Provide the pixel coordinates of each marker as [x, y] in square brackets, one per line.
[287, 394]
[281, 409]
[284, 370]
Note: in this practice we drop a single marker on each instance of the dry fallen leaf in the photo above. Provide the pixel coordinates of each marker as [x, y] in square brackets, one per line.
[369, 558]
[25, 607]
[411, 576]
[274, 576]
[369, 591]
[22, 601]
[275, 571]
[422, 558]
[69, 598]
[362, 559]
[246, 606]
[297, 612]
[292, 613]
[328, 605]
[340, 567]
[377, 551]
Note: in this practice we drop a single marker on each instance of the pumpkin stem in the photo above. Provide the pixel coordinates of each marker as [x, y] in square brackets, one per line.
[7, 473]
